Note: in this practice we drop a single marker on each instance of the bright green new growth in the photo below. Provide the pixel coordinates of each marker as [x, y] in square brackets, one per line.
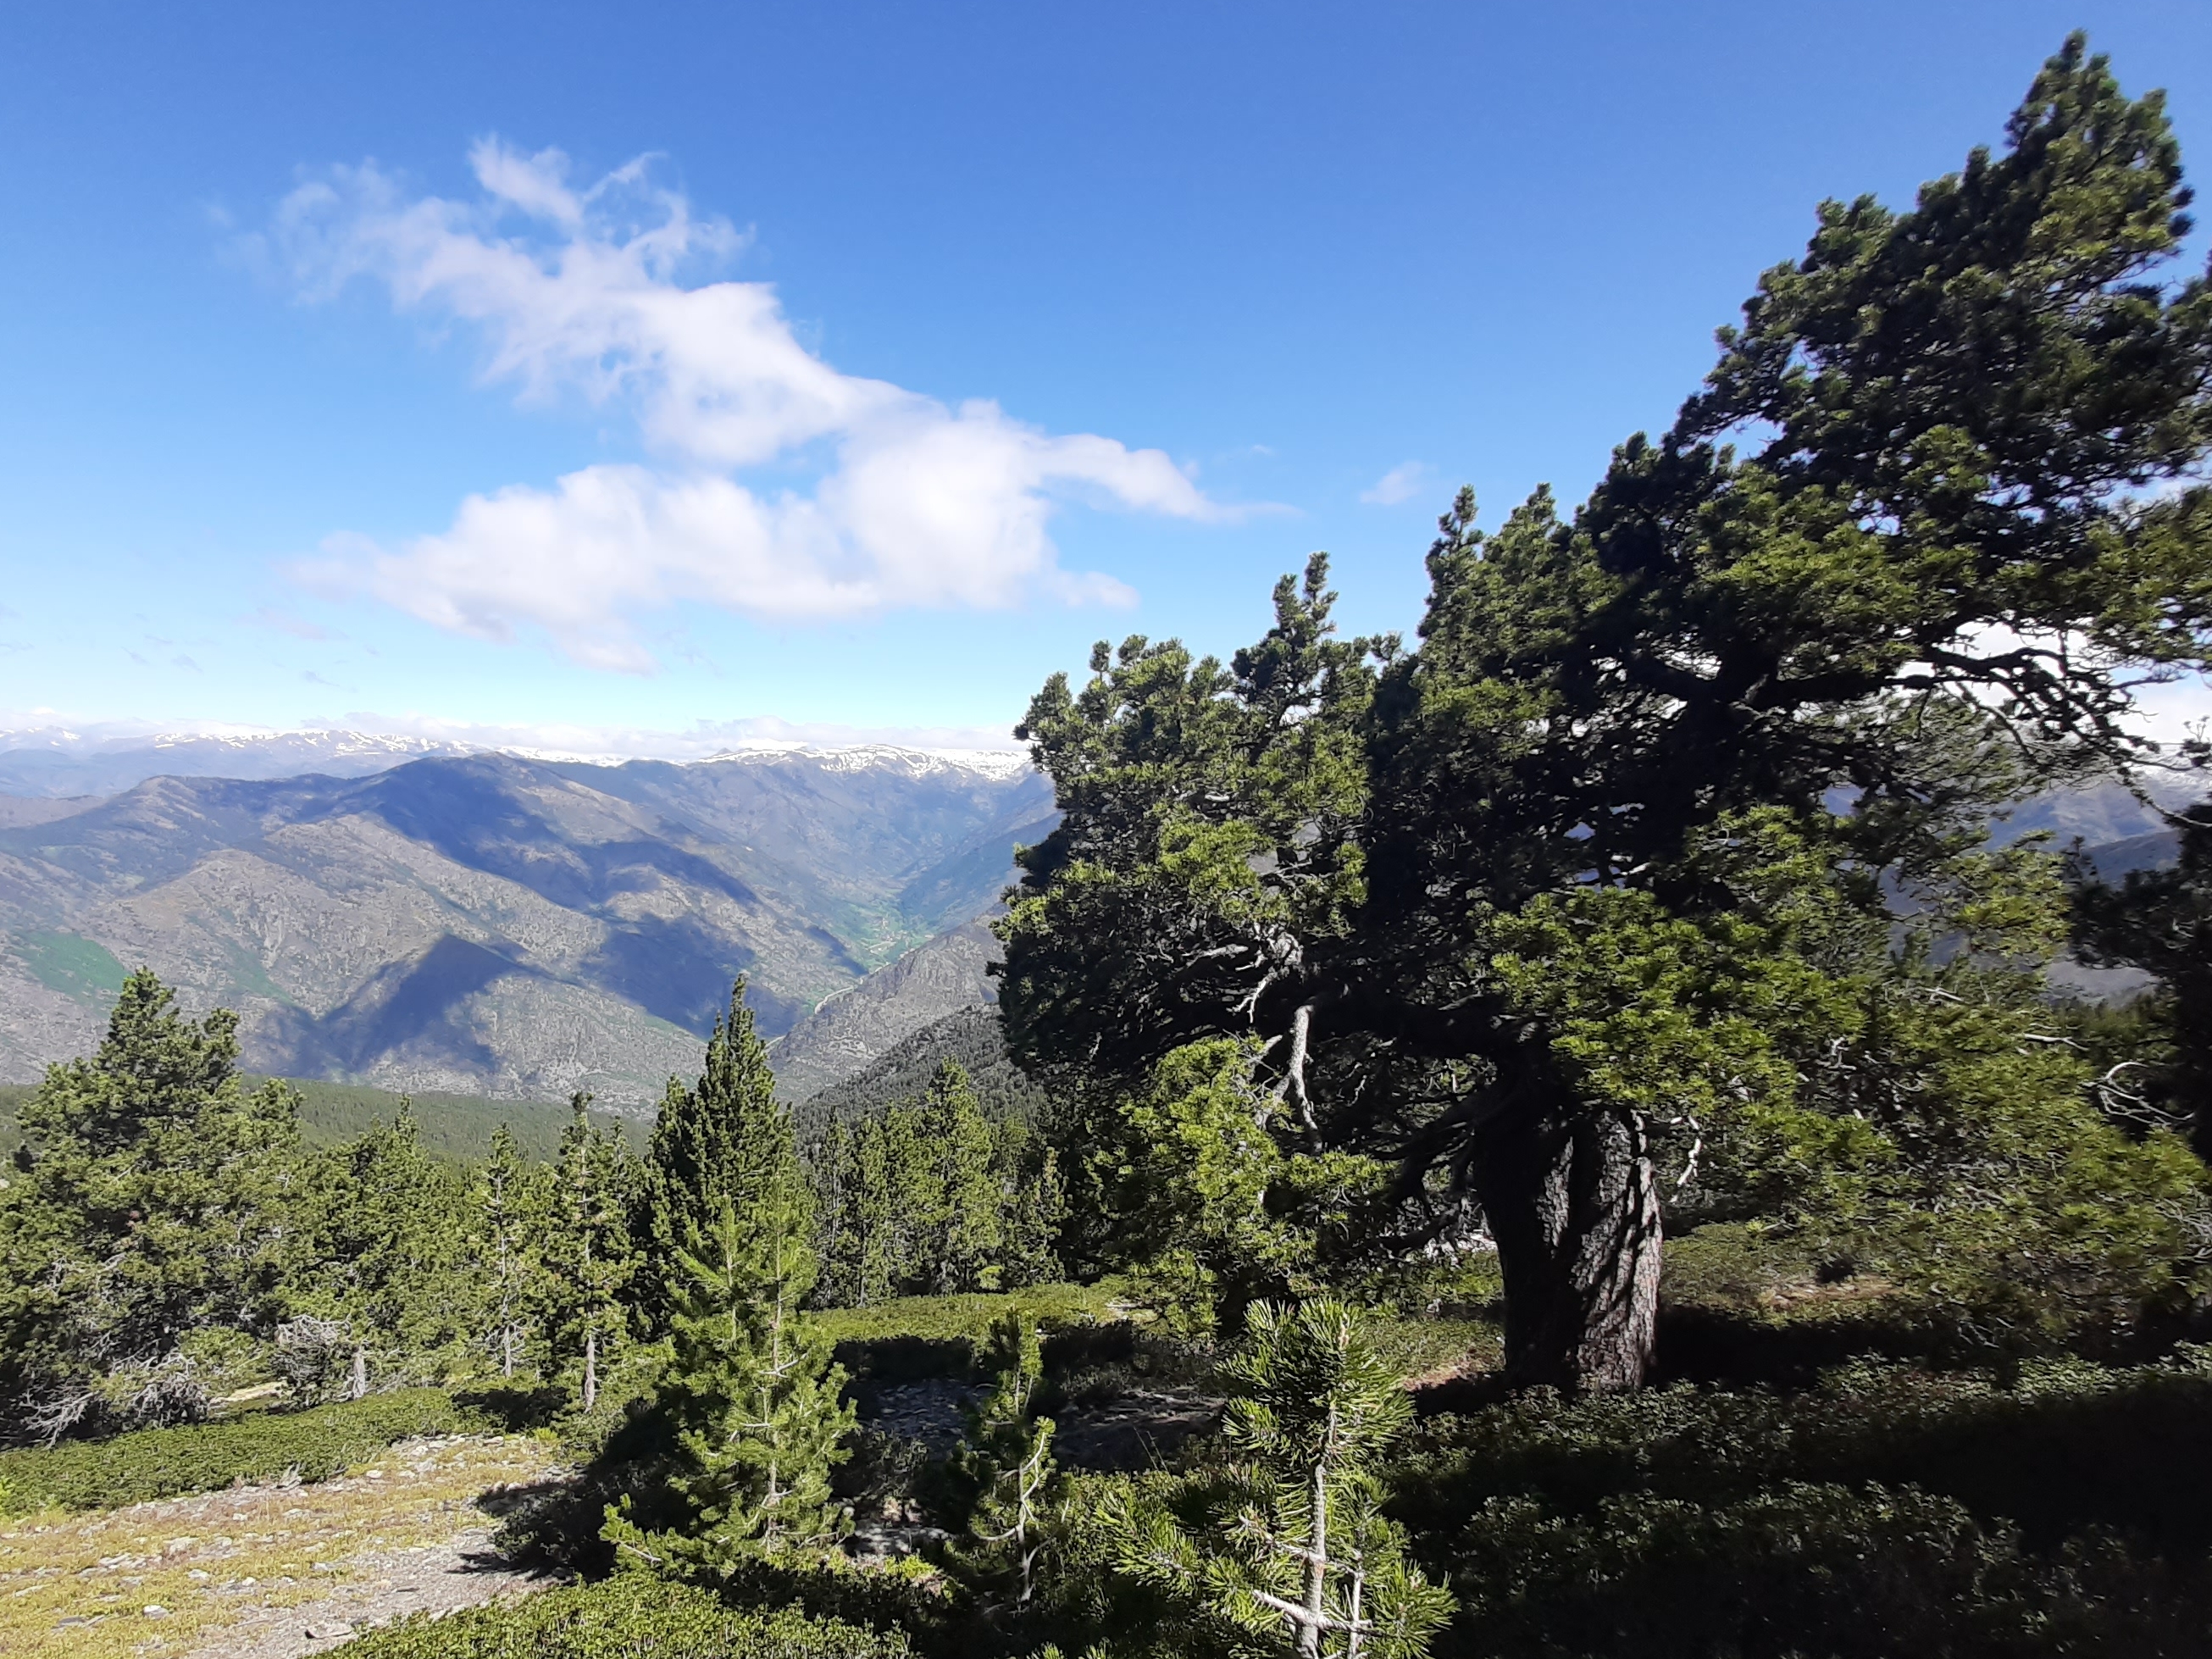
[755, 1402]
[1300, 1556]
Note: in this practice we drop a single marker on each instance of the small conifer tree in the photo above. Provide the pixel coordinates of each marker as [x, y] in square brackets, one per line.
[511, 1211]
[590, 1250]
[1300, 1556]
[725, 1141]
[145, 1208]
[966, 1232]
[375, 1253]
[1009, 1461]
[757, 1405]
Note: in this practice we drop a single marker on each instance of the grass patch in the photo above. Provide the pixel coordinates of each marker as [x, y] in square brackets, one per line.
[628, 1615]
[1435, 1349]
[83, 969]
[155, 1463]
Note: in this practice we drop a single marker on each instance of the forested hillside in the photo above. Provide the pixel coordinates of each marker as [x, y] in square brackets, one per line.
[1565, 1139]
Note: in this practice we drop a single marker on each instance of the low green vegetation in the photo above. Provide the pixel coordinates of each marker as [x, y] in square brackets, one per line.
[253, 1447]
[969, 1319]
[626, 1618]
[458, 1129]
[82, 969]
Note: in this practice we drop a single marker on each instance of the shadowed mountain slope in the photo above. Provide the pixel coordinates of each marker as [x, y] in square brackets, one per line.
[971, 1037]
[848, 1032]
[491, 923]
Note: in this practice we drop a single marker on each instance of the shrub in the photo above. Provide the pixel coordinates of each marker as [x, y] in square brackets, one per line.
[1891, 1511]
[968, 1317]
[624, 1618]
[151, 1463]
[1806, 1571]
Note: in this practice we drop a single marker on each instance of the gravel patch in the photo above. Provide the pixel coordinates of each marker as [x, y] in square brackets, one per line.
[373, 1588]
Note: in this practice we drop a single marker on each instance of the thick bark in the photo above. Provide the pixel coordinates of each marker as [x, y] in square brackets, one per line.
[1573, 1202]
[359, 1390]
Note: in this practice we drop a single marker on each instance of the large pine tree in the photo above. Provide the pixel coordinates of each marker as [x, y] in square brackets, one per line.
[1935, 513]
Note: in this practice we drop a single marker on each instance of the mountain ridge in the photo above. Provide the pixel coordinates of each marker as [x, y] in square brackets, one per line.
[491, 924]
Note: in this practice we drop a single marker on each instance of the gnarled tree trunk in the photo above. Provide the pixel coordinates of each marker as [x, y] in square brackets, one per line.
[1573, 1202]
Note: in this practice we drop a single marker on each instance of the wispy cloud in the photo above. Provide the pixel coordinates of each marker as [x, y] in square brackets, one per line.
[1401, 483]
[579, 290]
[298, 627]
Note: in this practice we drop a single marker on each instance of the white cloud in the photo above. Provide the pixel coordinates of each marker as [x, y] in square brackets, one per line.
[579, 291]
[1401, 483]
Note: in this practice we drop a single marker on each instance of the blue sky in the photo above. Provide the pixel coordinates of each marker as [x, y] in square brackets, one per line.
[334, 395]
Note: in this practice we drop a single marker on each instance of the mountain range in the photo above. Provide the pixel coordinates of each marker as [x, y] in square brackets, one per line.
[499, 925]
[55, 761]
[516, 927]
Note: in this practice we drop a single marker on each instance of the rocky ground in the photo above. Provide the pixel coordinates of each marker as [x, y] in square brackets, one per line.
[373, 1588]
[247, 1573]
[1129, 1430]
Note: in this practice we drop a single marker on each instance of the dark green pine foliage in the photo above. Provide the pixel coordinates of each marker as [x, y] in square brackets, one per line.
[2161, 922]
[144, 1215]
[756, 1403]
[931, 1198]
[513, 1208]
[377, 1274]
[1008, 1467]
[1936, 509]
[591, 1258]
[726, 1140]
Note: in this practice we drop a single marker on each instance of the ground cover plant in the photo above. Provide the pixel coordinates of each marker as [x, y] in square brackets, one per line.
[253, 1447]
[249, 1559]
[625, 1616]
[1890, 1509]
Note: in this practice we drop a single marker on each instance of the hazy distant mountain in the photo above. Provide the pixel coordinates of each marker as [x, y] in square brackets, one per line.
[497, 925]
[2102, 813]
[59, 763]
[493, 924]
